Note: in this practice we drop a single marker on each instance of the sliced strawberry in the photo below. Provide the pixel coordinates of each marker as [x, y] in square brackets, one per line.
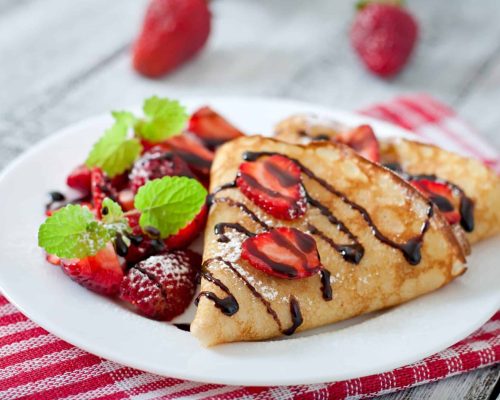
[363, 140]
[54, 260]
[126, 199]
[190, 232]
[101, 188]
[162, 286]
[212, 128]
[441, 195]
[101, 273]
[156, 163]
[274, 184]
[79, 179]
[283, 252]
[194, 153]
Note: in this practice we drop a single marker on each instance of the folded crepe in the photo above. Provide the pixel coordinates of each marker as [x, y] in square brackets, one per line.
[302, 236]
[473, 188]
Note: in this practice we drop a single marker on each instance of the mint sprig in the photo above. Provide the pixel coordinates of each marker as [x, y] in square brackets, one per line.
[73, 232]
[170, 203]
[114, 153]
[116, 150]
[164, 118]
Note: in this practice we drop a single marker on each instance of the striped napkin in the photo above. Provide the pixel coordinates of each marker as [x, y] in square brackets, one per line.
[35, 364]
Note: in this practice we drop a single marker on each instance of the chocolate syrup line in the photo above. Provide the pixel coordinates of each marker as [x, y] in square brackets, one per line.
[352, 253]
[183, 327]
[220, 229]
[297, 319]
[228, 305]
[410, 249]
[326, 285]
[254, 291]
[242, 207]
[57, 198]
[466, 206]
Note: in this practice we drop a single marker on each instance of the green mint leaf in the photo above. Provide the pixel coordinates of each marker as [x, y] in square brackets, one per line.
[125, 117]
[114, 153]
[111, 212]
[72, 232]
[170, 203]
[164, 118]
[113, 218]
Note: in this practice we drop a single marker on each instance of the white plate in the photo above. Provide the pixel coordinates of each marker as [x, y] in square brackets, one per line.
[362, 346]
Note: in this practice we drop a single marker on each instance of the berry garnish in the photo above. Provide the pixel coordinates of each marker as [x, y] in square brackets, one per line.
[162, 286]
[189, 233]
[362, 139]
[441, 195]
[173, 31]
[283, 252]
[101, 273]
[384, 36]
[192, 150]
[212, 128]
[116, 151]
[170, 203]
[79, 179]
[154, 164]
[274, 184]
[101, 188]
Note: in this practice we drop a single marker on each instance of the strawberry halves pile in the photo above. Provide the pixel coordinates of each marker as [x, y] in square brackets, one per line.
[157, 275]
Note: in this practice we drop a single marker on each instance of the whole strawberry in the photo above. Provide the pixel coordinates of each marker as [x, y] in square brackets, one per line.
[384, 36]
[173, 31]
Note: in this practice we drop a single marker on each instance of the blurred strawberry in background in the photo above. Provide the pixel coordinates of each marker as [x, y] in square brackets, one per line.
[384, 35]
[173, 31]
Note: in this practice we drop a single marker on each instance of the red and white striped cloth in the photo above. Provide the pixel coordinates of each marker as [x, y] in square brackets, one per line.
[35, 364]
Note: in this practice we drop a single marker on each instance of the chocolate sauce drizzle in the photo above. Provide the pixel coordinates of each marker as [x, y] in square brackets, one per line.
[466, 205]
[326, 285]
[58, 200]
[218, 283]
[352, 253]
[183, 327]
[297, 319]
[220, 229]
[228, 305]
[410, 249]
[242, 207]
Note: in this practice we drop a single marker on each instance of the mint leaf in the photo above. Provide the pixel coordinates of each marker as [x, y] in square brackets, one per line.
[170, 203]
[164, 118]
[73, 232]
[114, 153]
[113, 218]
[124, 116]
[111, 212]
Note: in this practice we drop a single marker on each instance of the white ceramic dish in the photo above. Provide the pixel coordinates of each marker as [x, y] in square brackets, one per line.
[362, 346]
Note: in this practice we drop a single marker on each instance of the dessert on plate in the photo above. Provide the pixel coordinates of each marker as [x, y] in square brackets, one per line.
[324, 224]
[302, 236]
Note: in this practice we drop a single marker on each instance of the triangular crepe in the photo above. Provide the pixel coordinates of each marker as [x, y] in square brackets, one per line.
[479, 184]
[264, 306]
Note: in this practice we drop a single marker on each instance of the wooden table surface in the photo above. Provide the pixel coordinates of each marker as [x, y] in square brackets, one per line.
[61, 61]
